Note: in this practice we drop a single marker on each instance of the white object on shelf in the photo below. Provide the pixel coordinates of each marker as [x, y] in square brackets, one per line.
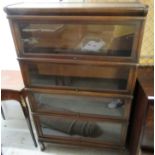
[115, 104]
[93, 45]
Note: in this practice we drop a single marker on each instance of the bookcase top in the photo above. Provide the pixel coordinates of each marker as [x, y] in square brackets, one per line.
[106, 9]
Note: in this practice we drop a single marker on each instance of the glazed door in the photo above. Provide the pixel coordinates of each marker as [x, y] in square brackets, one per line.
[81, 129]
[112, 78]
[97, 105]
[85, 37]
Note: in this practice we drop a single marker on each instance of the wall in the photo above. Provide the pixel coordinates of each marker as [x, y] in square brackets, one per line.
[147, 51]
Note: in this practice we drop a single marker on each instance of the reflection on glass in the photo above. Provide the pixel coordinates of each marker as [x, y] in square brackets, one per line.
[110, 40]
[73, 127]
[82, 77]
[80, 104]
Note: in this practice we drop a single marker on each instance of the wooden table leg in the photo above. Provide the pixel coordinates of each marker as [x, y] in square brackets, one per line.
[28, 120]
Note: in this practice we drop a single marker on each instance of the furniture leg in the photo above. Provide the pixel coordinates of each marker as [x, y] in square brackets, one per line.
[28, 120]
[31, 130]
[2, 112]
[42, 146]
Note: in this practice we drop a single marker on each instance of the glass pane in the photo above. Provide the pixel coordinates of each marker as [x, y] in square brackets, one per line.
[73, 127]
[79, 76]
[80, 104]
[85, 39]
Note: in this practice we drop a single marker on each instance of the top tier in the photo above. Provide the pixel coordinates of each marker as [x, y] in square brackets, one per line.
[89, 31]
[104, 9]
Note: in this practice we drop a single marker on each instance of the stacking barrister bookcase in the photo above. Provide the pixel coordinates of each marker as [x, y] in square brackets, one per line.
[78, 62]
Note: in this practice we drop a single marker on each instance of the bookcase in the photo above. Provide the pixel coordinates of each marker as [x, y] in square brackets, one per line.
[79, 65]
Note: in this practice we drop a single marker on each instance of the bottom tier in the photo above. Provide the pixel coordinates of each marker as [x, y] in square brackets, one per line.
[80, 130]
